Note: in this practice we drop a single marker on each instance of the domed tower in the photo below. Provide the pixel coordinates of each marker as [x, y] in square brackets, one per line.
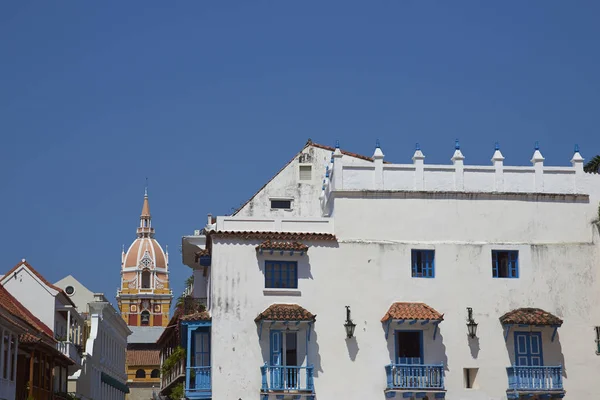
[144, 297]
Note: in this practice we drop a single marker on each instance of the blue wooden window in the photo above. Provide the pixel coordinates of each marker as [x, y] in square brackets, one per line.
[505, 264]
[528, 349]
[423, 263]
[201, 349]
[281, 274]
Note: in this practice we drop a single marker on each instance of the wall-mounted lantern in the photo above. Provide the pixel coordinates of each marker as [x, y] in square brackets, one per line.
[349, 325]
[471, 324]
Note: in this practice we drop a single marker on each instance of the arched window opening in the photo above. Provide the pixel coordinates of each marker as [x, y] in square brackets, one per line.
[145, 318]
[140, 373]
[146, 279]
[155, 373]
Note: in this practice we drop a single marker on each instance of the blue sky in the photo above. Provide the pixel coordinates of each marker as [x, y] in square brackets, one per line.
[209, 99]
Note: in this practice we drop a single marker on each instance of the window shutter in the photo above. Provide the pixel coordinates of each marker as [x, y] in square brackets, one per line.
[495, 264]
[513, 259]
[430, 265]
[305, 172]
[276, 347]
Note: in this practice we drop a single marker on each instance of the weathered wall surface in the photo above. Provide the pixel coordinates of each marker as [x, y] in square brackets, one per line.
[287, 185]
[369, 269]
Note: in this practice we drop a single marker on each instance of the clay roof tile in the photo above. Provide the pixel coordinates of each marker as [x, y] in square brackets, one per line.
[414, 311]
[530, 316]
[285, 246]
[285, 312]
[143, 357]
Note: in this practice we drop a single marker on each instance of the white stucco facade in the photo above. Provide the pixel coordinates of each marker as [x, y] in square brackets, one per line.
[10, 329]
[379, 213]
[51, 305]
[103, 374]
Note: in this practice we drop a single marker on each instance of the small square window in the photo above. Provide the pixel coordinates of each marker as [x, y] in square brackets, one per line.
[423, 263]
[281, 204]
[281, 275]
[505, 264]
[305, 172]
[470, 378]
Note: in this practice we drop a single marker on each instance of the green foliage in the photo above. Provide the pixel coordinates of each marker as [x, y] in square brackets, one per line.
[189, 281]
[593, 166]
[177, 355]
[180, 300]
[177, 393]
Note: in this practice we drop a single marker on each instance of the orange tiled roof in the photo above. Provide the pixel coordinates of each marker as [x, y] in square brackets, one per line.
[41, 278]
[530, 316]
[285, 312]
[344, 152]
[286, 246]
[419, 311]
[197, 316]
[275, 235]
[143, 357]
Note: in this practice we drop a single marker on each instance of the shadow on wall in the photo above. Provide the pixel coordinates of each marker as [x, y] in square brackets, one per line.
[474, 346]
[313, 350]
[552, 353]
[352, 345]
[434, 351]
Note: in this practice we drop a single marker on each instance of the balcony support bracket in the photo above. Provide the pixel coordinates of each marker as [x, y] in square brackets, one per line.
[554, 333]
[506, 331]
[435, 329]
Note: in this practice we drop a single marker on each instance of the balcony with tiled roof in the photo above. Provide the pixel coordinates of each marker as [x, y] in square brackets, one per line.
[531, 336]
[285, 340]
[416, 351]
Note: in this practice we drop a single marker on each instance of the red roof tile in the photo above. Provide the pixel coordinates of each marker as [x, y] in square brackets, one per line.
[285, 246]
[344, 152]
[41, 278]
[530, 316]
[419, 311]
[285, 312]
[249, 235]
[143, 357]
[197, 316]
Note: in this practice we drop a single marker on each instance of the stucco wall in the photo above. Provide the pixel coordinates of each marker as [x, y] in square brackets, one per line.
[33, 295]
[287, 185]
[558, 273]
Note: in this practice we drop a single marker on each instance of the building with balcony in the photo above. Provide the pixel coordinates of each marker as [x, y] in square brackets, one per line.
[105, 341]
[190, 324]
[347, 276]
[31, 365]
[51, 305]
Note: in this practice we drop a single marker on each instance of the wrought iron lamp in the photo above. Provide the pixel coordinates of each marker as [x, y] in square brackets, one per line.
[471, 324]
[349, 325]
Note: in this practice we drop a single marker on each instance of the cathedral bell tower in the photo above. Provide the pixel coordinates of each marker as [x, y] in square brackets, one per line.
[144, 297]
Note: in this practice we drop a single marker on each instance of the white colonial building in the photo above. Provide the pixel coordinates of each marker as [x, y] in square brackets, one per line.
[103, 374]
[403, 281]
[51, 305]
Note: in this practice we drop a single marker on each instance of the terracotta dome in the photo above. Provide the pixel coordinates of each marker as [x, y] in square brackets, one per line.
[145, 252]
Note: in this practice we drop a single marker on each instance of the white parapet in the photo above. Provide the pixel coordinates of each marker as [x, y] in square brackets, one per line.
[459, 177]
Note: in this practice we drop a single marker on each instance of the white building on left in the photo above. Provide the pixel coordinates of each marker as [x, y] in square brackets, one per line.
[102, 375]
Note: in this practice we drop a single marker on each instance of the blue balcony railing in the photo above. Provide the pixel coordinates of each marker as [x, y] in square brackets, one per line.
[412, 376]
[535, 378]
[279, 378]
[197, 380]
